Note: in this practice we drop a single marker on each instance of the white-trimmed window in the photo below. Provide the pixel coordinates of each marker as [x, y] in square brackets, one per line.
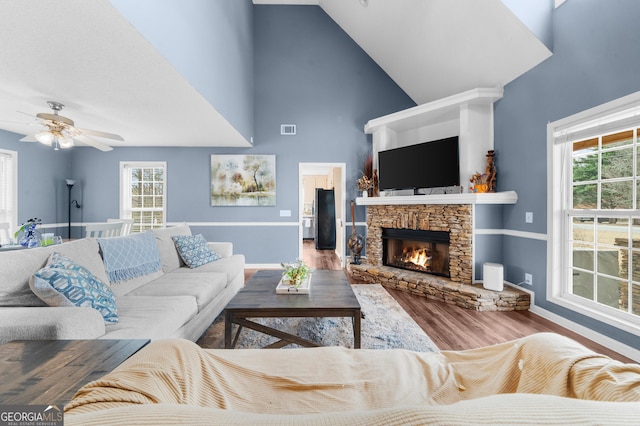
[9, 188]
[594, 220]
[143, 194]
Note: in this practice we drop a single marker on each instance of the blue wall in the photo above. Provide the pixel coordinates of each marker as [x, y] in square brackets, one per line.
[310, 73]
[209, 43]
[487, 247]
[595, 60]
[307, 72]
[42, 192]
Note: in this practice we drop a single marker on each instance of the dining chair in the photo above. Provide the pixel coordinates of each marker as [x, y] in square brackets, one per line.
[126, 225]
[104, 229]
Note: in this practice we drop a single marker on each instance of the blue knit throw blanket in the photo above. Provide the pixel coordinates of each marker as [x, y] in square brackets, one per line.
[130, 256]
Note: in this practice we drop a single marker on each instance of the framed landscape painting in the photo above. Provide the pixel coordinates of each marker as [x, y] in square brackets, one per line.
[243, 180]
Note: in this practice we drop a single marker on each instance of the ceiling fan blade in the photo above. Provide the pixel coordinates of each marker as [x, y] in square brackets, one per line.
[35, 120]
[64, 127]
[24, 123]
[26, 113]
[101, 134]
[92, 142]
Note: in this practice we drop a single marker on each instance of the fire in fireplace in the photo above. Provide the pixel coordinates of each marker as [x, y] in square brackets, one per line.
[416, 250]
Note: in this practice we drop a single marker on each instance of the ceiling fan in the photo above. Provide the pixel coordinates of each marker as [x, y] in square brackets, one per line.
[61, 131]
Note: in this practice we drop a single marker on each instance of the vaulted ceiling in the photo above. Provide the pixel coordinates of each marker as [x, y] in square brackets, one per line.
[430, 48]
[437, 48]
[86, 55]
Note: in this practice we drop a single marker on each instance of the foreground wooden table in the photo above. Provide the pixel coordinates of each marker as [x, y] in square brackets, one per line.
[331, 296]
[51, 371]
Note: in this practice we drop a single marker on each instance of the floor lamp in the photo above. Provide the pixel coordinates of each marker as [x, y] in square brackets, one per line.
[70, 184]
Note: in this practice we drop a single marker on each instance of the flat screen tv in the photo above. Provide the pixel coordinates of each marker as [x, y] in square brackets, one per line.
[432, 164]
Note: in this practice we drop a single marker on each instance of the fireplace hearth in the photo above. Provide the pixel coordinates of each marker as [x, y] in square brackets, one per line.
[455, 221]
[416, 250]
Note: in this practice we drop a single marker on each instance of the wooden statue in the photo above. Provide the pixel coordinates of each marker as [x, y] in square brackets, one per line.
[356, 241]
[490, 172]
[376, 189]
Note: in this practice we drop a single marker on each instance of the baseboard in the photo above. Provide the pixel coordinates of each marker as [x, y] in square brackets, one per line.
[532, 294]
[588, 333]
[262, 266]
[274, 265]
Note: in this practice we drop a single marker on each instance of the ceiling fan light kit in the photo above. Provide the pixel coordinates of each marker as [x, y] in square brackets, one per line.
[55, 138]
[65, 142]
[60, 131]
[44, 137]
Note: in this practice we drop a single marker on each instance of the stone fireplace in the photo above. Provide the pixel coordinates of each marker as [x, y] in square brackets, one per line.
[416, 250]
[456, 220]
[448, 274]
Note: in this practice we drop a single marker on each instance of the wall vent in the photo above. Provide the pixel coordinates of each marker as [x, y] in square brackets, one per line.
[288, 129]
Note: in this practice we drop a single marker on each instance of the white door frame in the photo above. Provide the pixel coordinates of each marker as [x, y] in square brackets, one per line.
[312, 169]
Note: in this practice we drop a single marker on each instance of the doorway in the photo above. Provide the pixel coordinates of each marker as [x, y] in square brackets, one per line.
[325, 176]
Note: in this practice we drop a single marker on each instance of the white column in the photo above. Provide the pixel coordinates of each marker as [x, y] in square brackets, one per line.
[476, 138]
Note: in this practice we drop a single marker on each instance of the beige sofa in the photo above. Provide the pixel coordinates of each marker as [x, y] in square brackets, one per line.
[176, 301]
[540, 379]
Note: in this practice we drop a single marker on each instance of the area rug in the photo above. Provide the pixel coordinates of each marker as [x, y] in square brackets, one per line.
[385, 326]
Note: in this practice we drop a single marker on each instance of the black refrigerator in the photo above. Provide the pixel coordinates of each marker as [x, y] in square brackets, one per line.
[325, 219]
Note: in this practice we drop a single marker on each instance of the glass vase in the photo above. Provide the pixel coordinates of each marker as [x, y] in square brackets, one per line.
[30, 238]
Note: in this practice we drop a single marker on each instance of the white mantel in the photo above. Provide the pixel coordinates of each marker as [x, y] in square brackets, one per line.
[506, 197]
[468, 115]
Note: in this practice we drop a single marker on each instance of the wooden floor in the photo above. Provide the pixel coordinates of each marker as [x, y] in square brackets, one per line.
[454, 328]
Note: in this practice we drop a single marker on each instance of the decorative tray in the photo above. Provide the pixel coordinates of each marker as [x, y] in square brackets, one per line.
[285, 288]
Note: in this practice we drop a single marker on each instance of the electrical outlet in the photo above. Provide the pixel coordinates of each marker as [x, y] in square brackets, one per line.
[528, 279]
[528, 217]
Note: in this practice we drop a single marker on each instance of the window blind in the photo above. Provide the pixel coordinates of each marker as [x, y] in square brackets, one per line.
[7, 189]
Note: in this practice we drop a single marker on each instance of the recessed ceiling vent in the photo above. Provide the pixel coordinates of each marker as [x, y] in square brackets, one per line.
[288, 129]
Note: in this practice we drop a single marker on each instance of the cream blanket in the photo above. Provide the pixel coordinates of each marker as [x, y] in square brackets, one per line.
[541, 379]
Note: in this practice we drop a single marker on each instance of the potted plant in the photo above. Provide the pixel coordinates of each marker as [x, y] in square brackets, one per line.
[479, 182]
[295, 273]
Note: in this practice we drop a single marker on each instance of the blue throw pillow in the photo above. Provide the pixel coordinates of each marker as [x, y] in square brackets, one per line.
[193, 249]
[65, 283]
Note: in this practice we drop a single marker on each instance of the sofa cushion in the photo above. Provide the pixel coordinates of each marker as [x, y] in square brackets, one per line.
[223, 248]
[204, 286]
[50, 323]
[168, 253]
[151, 317]
[122, 288]
[194, 251]
[130, 256]
[63, 282]
[16, 268]
[231, 266]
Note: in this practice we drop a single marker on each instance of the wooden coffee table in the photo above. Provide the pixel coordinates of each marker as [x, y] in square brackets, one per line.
[331, 296]
[50, 372]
